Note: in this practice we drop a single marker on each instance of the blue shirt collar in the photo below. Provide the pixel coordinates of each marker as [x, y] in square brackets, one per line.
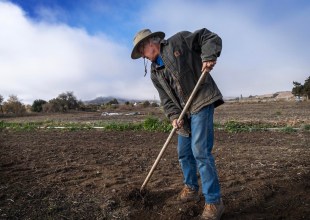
[159, 61]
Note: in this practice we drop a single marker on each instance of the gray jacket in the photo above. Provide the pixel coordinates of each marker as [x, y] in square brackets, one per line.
[183, 55]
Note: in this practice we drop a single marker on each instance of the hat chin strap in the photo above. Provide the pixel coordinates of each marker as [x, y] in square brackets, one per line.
[145, 66]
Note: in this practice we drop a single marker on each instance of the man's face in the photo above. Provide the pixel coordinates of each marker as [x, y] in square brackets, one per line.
[149, 50]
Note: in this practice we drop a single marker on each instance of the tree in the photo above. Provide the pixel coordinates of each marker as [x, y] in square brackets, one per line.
[302, 90]
[1, 100]
[146, 104]
[154, 104]
[37, 105]
[55, 105]
[13, 105]
[68, 100]
[52, 106]
[113, 102]
[64, 102]
[297, 89]
[307, 88]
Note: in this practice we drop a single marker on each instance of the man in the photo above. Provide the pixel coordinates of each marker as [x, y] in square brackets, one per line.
[177, 64]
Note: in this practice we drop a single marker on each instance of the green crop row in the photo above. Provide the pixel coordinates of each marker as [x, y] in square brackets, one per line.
[149, 124]
[234, 126]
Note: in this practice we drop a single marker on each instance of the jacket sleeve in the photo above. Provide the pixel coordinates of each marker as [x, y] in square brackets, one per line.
[171, 110]
[204, 41]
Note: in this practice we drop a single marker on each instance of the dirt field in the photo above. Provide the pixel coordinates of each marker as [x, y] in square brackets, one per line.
[95, 174]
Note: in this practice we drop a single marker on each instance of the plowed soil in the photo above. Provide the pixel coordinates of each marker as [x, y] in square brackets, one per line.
[97, 174]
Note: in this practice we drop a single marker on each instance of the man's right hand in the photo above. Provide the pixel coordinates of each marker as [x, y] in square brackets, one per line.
[208, 65]
[177, 124]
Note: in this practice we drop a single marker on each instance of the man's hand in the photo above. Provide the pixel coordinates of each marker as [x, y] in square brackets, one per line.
[177, 124]
[208, 65]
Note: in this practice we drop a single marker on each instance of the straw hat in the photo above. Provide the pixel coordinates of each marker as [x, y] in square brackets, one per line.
[140, 36]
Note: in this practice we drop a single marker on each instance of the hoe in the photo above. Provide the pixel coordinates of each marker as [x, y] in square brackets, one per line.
[202, 77]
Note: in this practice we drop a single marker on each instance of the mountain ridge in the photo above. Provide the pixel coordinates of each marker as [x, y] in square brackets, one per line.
[105, 99]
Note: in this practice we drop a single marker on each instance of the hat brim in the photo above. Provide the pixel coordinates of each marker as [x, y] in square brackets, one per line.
[135, 54]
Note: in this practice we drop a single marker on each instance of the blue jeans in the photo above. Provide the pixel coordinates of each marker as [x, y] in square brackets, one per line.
[195, 152]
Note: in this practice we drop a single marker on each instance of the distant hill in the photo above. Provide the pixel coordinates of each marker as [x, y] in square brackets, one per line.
[283, 95]
[103, 100]
[286, 95]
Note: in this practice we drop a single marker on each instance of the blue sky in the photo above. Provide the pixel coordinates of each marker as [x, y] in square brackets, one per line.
[52, 46]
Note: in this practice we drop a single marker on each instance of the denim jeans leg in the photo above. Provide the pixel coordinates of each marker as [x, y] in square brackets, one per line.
[202, 144]
[187, 162]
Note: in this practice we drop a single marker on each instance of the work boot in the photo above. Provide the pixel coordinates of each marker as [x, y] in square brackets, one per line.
[213, 211]
[188, 194]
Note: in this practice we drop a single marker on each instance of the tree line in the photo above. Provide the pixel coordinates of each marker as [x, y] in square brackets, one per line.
[302, 90]
[64, 102]
[67, 101]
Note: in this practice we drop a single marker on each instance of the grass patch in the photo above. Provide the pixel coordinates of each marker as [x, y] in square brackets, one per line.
[123, 126]
[149, 124]
[307, 127]
[233, 126]
[27, 126]
[288, 129]
[154, 124]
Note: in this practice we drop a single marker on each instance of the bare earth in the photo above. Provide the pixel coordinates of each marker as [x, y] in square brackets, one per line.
[96, 174]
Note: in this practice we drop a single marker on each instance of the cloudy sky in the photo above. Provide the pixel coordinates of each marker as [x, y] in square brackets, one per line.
[52, 46]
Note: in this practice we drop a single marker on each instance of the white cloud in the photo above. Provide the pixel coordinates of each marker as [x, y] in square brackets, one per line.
[258, 57]
[40, 60]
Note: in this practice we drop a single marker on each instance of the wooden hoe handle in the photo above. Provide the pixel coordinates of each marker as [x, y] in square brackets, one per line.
[188, 103]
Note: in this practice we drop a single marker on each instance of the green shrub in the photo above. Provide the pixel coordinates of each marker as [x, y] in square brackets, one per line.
[37, 105]
[233, 126]
[19, 126]
[154, 124]
[288, 129]
[123, 126]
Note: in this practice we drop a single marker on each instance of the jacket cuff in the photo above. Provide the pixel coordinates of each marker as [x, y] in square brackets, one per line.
[183, 132]
[172, 117]
[204, 59]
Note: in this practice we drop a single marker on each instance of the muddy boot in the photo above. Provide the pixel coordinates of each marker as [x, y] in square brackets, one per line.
[213, 211]
[188, 194]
